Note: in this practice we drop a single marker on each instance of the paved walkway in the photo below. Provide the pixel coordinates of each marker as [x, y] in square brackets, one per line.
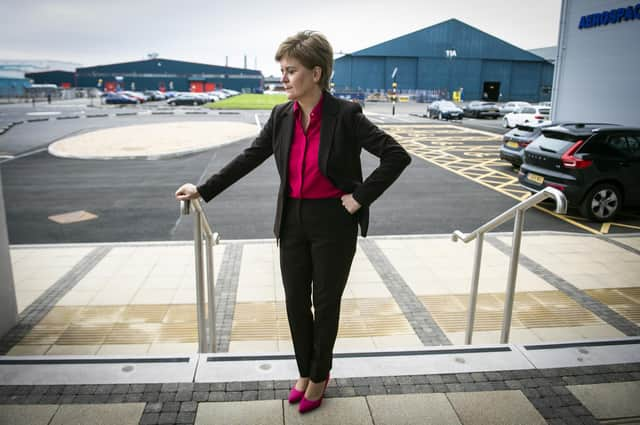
[139, 298]
[405, 293]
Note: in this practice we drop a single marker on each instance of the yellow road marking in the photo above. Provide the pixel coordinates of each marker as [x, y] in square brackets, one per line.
[417, 147]
[606, 226]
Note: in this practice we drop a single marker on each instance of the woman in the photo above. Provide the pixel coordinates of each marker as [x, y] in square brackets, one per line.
[316, 140]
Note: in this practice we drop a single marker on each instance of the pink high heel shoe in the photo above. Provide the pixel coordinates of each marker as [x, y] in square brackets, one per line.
[295, 395]
[307, 405]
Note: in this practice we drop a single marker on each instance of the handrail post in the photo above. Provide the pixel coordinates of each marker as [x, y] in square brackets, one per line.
[206, 314]
[197, 244]
[473, 295]
[511, 279]
[211, 297]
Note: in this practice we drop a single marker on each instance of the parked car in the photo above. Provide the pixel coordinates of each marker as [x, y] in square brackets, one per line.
[480, 109]
[444, 110]
[188, 99]
[119, 99]
[140, 97]
[221, 94]
[512, 106]
[514, 141]
[155, 95]
[526, 115]
[596, 166]
[212, 96]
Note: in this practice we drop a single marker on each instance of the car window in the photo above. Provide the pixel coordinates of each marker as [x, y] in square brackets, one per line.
[633, 144]
[555, 141]
[544, 111]
[607, 147]
[527, 111]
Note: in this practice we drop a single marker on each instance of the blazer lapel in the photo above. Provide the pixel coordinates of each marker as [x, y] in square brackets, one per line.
[329, 113]
[285, 136]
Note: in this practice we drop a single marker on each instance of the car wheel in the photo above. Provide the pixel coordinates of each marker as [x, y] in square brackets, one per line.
[440, 116]
[505, 123]
[601, 203]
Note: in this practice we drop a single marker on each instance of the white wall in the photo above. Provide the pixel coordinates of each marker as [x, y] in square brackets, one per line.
[8, 307]
[597, 73]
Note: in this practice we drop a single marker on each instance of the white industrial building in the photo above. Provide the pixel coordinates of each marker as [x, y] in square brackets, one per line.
[597, 71]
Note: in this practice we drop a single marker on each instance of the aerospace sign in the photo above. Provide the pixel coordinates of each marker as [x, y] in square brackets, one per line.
[612, 16]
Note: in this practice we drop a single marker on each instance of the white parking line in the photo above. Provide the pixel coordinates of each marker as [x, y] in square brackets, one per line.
[11, 158]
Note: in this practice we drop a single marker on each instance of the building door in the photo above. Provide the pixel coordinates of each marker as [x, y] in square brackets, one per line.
[209, 87]
[197, 86]
[110, 86]
[491, 91]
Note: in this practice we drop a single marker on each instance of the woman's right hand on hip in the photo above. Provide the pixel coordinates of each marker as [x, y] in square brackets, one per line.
[187, 191]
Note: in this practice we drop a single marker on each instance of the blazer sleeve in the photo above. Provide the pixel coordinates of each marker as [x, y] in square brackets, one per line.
[243, 164]
[393, 159]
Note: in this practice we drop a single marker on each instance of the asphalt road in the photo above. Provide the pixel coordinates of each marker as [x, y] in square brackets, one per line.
[133, 199]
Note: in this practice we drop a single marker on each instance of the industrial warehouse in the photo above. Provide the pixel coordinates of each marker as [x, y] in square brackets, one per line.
[446, 58]
[155, 74]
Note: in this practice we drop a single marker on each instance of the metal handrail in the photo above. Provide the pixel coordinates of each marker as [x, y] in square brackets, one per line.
[518, 211]
[206, 317]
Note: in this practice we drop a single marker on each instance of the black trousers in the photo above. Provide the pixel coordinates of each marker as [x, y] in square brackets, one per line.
[317, 245]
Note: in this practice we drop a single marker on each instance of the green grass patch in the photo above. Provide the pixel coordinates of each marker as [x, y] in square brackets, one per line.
[250, 101]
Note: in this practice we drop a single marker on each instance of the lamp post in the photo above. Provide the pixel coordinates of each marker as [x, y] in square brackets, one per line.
[451, 54]
[394, 89]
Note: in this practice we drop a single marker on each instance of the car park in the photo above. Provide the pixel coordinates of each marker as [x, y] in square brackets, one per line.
[526, 115]
[444, 110]
[188, 99]
[119, 99]
[512, 106]
[515, 141]
[596, 166]
[480, 109]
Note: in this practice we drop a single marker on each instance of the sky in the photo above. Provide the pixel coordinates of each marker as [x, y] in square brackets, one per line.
[90, 33]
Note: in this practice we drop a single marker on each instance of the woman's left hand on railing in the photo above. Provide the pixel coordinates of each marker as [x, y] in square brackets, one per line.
[187, 191]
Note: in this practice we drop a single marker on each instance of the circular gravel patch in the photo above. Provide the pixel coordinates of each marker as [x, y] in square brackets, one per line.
[152, 141]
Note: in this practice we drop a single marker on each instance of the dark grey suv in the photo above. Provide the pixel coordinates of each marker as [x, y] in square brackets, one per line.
[596, 166]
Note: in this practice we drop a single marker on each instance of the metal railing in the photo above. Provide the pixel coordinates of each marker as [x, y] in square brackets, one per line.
[478, 234]
[206, 316]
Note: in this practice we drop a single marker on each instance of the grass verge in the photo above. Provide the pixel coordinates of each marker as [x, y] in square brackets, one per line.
[249, 101]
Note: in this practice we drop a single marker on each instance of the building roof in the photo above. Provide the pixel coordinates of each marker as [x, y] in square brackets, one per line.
[548, 53]
[433, 41]
[162, 65]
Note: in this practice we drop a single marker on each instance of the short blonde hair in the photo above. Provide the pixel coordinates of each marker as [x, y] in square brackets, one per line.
[312, 49]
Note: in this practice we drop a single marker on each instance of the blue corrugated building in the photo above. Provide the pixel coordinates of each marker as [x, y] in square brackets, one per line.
[165, 74]
[444, 58]
[13, 83]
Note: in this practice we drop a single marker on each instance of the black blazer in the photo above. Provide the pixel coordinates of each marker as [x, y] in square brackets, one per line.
[343, 133]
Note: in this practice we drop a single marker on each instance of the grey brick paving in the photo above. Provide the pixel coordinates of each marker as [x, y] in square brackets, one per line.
[596, 307]
[226, 292]
[545, 389]
[619, 244]
[414, 311]
[39, 308]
